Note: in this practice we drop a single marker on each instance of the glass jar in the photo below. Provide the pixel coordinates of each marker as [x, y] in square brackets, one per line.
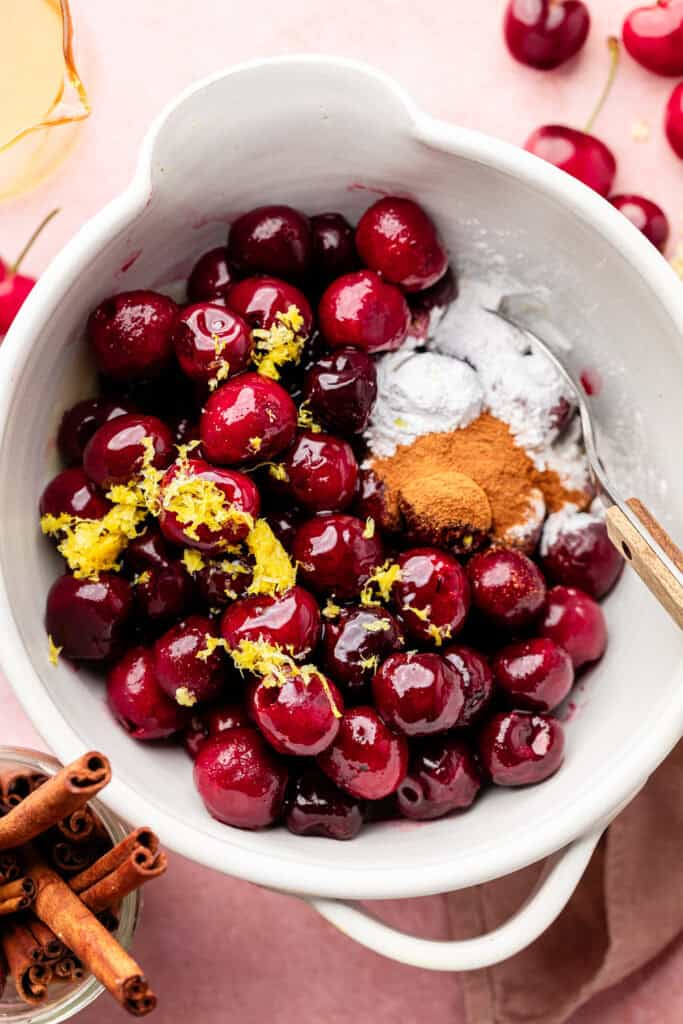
[64, 999]
[43, 97]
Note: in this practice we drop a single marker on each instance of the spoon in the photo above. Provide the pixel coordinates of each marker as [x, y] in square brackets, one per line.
[631, 527]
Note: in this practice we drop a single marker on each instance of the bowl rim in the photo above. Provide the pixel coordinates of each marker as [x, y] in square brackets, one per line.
[261, 866]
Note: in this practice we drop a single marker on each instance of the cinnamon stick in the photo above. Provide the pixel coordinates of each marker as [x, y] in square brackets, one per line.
[54, 800]
[48, 947]
[31, 978]
[9, 868]
[139, 867]
[69, 968]
[16, 895]
[141, 839]
[16, 786]
[70, 857]
[82, 826]
[62, 911]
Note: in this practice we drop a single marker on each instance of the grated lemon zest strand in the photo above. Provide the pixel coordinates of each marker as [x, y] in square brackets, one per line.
[274, 572]
[378, 586]
[53, 651]
[281, 344]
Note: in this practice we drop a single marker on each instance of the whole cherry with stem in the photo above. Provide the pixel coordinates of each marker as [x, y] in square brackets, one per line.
[15, 287]
[580, 153]
[545, 33]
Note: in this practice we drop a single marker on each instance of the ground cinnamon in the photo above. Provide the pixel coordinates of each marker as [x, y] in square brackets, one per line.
[486, 453]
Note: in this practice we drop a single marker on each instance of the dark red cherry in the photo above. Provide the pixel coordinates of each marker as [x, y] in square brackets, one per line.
[73, 494]
[210, 340]
[290, 621]
[211, 277]
[316, 807]
[321, 472]
[371, 502]
[576, 551]
[653, 35]
[367, 759]
[428, 307]
[476, 681]
[536, 674]
[333, 250]
[137, 701]
[507, 587]
[184, 519]
[545, 33]
[149, 550]
[86, 618]
[336, 555]
[116, 451]
[258, 300]
[185, 431]
[284, 524]
[210, 723]
[355, 644]
[130, 334]
[240, 779]
[417, 694]
[362, 310]
[673, 122]
[432, 593]
[222, 580]
[195, 734]
[249, 418]
[582, 155]
[162, 593]
[180, 672]
[271, 240]
[397, 239]
[442, 777]
[518, 748]
[80, 422]
[649, 218]
[299, 717]
[341, 390]
[576, 622]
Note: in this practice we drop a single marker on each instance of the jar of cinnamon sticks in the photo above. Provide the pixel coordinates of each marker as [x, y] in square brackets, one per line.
[69, 873]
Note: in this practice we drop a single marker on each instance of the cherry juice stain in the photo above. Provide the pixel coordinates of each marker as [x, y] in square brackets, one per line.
[130, 261]
[591, 381]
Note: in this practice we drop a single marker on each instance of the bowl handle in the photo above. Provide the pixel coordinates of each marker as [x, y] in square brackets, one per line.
[561, 874]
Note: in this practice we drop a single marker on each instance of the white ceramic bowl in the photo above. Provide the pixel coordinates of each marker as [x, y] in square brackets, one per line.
[318, 133]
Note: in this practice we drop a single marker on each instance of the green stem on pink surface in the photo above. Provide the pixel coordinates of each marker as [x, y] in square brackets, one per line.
[14, 268]
[613, 46]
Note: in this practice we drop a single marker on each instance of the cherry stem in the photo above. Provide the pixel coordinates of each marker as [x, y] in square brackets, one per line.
[613, 46]
[14, 268]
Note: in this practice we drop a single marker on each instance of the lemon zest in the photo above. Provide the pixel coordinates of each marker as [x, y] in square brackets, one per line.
[274, 572]
[212, 643]
[277, 667]
[305, 420]
[420, 613]
[400, 422]
[193, 561]
[369, 531]
[377, 626]
[382, 578]
[331, 610]
[195, 502]
[53, 650]
[142, 577]
[143, 491]
[255, 443]
[280, 344]
[278, 471]
[92, 546]
[370, 663]
[185, 698]
[439, 634]
[222, 373]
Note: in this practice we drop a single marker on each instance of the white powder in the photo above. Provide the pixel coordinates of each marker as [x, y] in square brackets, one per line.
[567, 520]
[421, 393]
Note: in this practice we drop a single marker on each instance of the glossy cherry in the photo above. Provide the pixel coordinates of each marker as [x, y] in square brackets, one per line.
[316, 807]
[222, 580]
[210, 722]
[240, 779]
[371, 502]
[290, 621]
[574, 621]
[362, 310]
[397, 239]
[442, 777]
[321, 472]
[507, 587]
[162, 593]
[86, 618]
[177, 517]
[80, 422]
[367, 759]
[211, 277]
[333, 250]
[476, 681]
[258, 300]
[73, 494]
[341, 390]
[137, 701]
[417, 694]
[130, 334]
[149, 550]
[535, 674]
[299, 717]
[649, 218]
[653, 35]
[518, 748]
[115, 452]
[180, 672]
[284, 523]
[576, 551]
[271, 240]
[15, 287]
[545, 33]
[355, 644]
[249, 418]
[673, 122]
[336, 555]
[432, 594]
[209, 340]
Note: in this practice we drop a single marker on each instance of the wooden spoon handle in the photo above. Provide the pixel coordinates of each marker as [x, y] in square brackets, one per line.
[654, 574]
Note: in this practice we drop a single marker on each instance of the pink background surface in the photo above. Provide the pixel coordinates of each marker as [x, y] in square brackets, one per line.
[216, 948]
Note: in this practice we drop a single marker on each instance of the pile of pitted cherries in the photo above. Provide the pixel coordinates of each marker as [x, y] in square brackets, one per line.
[227, 565]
